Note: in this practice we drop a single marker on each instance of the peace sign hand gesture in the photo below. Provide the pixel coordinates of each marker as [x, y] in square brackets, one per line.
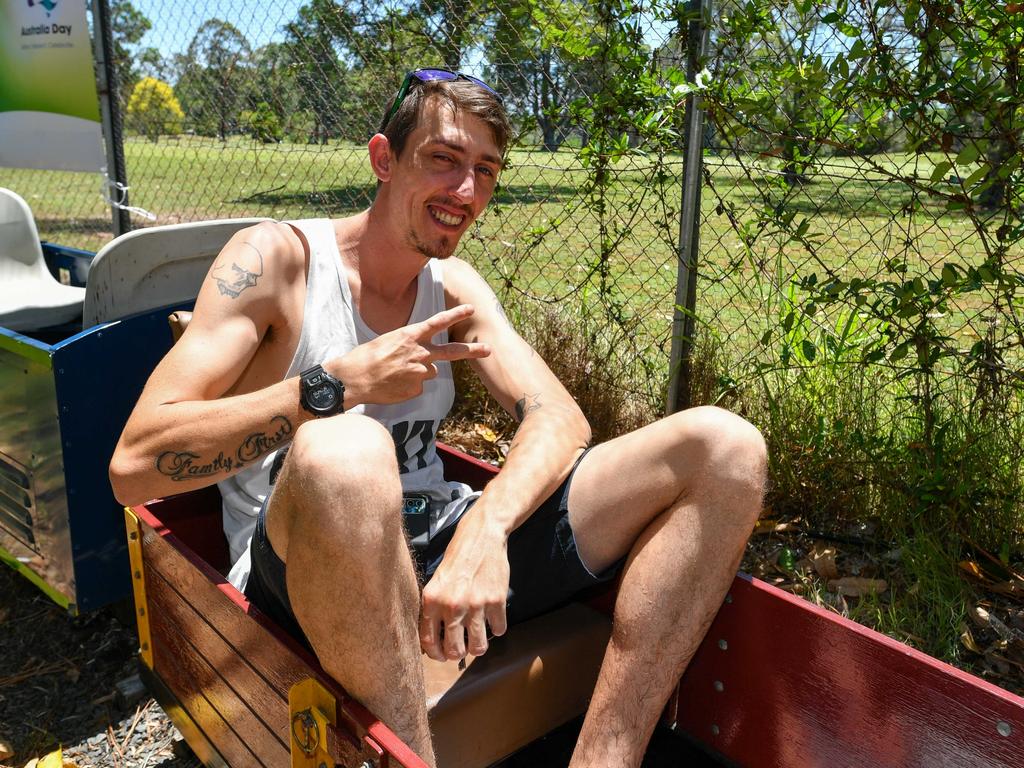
[394, 366]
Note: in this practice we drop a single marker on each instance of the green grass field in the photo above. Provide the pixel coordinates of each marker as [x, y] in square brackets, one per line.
[541, 238]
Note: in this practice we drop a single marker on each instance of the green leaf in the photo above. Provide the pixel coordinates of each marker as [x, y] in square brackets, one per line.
[808, 350]
[940, 170]
[977, 176]
[900, 352]
[948, 275]
[968, 154]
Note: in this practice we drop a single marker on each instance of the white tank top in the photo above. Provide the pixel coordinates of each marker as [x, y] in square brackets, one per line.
[332, 327]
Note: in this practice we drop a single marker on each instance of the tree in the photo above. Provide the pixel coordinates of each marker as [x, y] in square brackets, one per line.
[214, 77]
[318, 70]
[128, 26]
[153, 109]
[540, 54]
[272, 81]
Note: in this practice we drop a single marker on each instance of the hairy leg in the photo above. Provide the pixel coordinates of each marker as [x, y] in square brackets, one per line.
[335, 519]
[680, 497]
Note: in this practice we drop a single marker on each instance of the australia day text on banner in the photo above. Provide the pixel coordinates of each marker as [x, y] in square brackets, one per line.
[49, 114]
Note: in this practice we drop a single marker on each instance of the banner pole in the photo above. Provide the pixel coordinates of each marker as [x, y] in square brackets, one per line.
[111, 113]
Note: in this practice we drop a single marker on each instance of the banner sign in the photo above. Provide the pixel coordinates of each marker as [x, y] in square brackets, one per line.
[49, 113]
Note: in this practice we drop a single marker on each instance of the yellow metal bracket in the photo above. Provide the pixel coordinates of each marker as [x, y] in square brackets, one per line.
[134, 528]
[312, 708]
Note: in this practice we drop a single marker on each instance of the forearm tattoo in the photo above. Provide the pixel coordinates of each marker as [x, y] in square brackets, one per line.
[527, 404]
[243, 273]
[185, 465]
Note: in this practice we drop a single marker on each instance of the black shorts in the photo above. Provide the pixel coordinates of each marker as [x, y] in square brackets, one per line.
[546, 570]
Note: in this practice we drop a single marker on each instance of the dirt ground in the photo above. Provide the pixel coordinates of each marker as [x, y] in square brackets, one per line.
[59, 688]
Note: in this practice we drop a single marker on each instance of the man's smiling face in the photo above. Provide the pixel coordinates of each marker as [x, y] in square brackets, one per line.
[444, 179]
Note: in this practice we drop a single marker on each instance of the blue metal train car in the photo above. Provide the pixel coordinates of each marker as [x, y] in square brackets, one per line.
[77, 335]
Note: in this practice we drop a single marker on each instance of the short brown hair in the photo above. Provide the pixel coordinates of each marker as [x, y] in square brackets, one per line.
[460, 96]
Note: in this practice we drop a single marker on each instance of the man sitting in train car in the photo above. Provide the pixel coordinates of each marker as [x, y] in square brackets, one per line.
[334, 337]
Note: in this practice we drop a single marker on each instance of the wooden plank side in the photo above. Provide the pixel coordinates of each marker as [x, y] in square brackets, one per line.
[254, 709]
[175, 673]
[778, 681]
[258, 643]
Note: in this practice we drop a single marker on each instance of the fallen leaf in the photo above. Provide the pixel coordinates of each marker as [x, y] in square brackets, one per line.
[856, 586]
[981, 617]
[973, 570]
[6, 750]
[1012, 588]
[823, 558]
[968, 639]
[486, 433]
[53, 760]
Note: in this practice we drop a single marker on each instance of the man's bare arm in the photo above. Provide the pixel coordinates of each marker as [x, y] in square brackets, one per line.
[471, 584]
[184, 432]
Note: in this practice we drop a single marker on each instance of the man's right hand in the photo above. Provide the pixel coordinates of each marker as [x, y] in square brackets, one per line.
[394, 366]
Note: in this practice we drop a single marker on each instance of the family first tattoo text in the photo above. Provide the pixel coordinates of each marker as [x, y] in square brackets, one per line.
[186, 465]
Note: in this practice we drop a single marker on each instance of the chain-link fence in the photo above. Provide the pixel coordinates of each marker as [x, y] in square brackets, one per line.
[247, 108]
[860, 259]
[859, 211]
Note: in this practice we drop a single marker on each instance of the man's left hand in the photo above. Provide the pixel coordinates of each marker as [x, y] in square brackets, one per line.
[466, 593]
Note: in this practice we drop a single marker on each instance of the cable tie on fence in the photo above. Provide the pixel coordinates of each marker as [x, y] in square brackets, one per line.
[109, 187]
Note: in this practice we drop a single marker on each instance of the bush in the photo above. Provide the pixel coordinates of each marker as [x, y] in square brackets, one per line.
[264, 125]
[153, 109]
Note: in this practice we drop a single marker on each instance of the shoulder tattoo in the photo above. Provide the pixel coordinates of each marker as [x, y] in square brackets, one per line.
[526, 405]
[246, 268]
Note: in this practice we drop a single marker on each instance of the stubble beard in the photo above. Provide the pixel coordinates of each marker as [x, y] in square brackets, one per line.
[442, 249]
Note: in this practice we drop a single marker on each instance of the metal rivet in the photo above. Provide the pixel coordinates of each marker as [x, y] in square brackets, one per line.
[133, 536]
[1004, 728]
[322, 765]
[138, 574]
[714, 730]
[145, 646]
[728, 599]
[142, 611]
[723, 645]
[719, 686]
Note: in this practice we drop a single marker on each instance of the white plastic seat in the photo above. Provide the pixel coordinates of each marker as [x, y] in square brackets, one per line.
[154, 267]
[30, 297]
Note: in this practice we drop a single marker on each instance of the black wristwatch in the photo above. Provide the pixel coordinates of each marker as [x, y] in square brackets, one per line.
[320, 393]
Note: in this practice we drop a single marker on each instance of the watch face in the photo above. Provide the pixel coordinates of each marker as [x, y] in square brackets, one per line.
[322, 397]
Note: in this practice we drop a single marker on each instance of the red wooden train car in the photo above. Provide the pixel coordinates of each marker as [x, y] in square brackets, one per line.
[776, 682]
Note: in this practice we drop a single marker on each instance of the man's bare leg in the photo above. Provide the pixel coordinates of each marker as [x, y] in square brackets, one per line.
[681, 497]
[335, 518]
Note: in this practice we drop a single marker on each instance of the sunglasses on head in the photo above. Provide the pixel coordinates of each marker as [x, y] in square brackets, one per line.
[425, 76]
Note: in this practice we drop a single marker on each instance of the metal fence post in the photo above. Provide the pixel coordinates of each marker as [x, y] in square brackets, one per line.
[106, 74]
[684, 318]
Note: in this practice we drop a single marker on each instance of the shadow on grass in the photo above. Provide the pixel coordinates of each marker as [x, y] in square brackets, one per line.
[353, 197]
[841, 197]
